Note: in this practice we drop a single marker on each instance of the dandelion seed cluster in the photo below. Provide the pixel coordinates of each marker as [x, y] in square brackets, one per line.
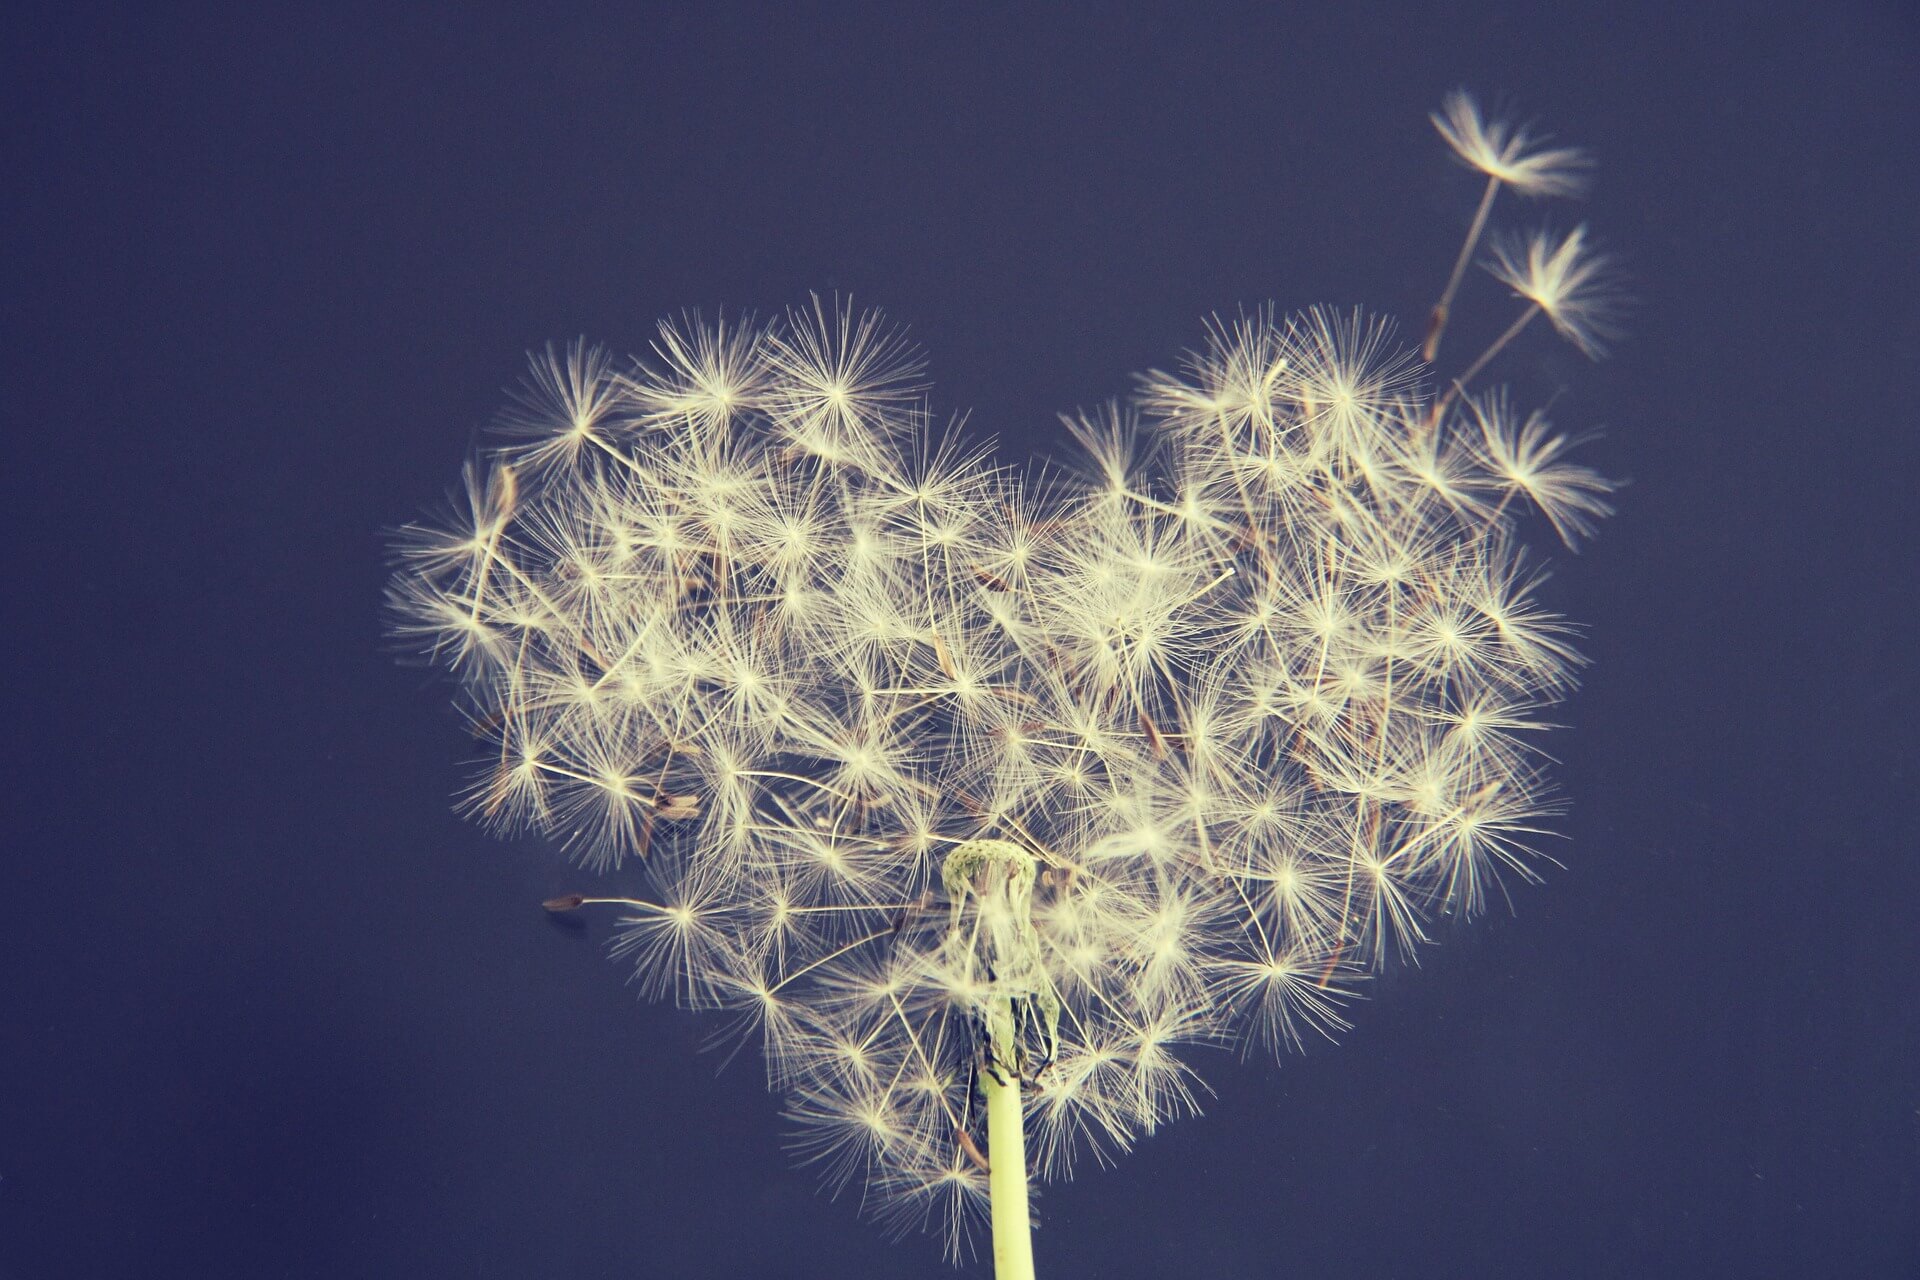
[1253, 700]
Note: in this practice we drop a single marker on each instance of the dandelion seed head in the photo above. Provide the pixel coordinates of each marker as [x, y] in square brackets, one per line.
[885, 740]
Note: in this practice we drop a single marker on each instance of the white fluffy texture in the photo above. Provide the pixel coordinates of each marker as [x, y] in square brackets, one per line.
[1258, 695]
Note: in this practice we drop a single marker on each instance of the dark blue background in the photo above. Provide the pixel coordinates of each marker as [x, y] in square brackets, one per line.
[267, 1008]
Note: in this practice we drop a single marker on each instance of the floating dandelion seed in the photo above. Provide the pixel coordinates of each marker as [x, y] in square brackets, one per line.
[980, 804]
[1566, 279]
[1510, 157]
[1507, 153]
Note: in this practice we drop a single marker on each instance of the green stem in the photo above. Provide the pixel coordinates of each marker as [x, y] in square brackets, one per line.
[1007, 1158]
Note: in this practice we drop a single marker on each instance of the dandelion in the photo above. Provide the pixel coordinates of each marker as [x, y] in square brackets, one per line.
[983, 805]
[1507, 153]
[1509, 157]
[1526, 460]
[1565, 280]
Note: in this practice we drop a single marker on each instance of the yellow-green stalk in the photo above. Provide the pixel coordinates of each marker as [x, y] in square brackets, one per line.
[1007, 1157]
[998, 876]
